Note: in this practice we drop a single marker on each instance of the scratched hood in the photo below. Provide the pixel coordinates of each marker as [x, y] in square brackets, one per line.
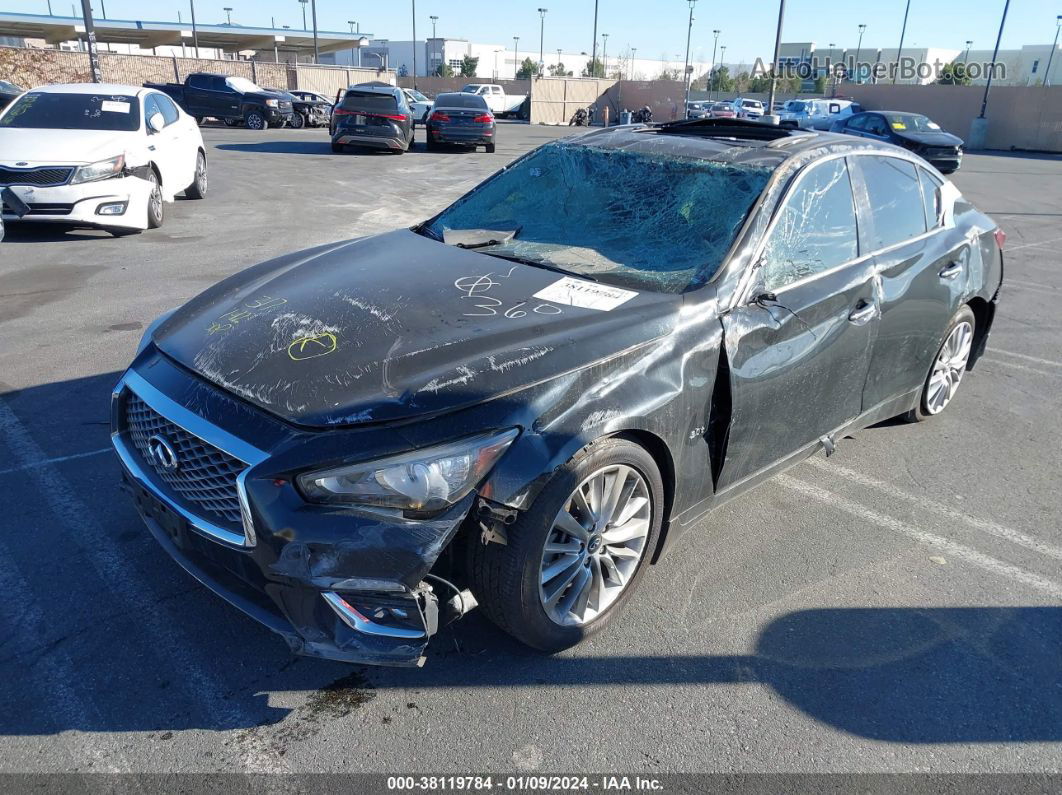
[395, 326]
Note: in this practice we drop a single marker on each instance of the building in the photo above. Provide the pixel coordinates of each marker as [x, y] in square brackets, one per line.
[921, 65]
[499, 62]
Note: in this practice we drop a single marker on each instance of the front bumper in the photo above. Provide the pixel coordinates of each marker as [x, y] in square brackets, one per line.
[333, 582]
[80, 204]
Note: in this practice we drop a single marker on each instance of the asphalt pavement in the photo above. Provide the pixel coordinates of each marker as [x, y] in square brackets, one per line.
[897, 607]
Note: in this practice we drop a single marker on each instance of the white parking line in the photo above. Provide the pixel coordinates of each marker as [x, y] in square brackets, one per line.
[1010, 282]
[954, 549]
[1027, 357]
[50, 461]
[1016, 366]
[1029, 245]
[984, 525]
[88, 536]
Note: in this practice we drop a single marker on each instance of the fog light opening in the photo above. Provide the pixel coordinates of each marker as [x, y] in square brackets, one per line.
[112, 208]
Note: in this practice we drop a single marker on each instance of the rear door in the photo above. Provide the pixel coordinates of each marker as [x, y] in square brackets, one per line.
[798, 358]
[923, 269]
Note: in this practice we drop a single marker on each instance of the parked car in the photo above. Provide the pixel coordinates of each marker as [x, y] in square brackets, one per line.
[722, 110]
[912, 131]
[462, 119]
[8, 93]
[500, 103]
[101, 155]
[747, 108]
[374, 115]
[817, 114]
[419, 104]
[697, 110]
[309, 109]
[529, 398]
[230, 99]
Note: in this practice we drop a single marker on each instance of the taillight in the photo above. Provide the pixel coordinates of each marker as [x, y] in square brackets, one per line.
[439, 116]
[341, 112]
[1001, 237]
[485, 118]
[391, 116]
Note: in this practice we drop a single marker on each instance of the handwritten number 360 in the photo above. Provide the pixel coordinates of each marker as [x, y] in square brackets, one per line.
[513, 312]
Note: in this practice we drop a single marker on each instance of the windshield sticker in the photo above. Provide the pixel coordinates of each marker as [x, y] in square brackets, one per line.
[115, 107]
[588, 295]
[899, 125]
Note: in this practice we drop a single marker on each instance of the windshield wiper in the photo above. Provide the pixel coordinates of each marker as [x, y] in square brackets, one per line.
[481, 244]
[534, 263]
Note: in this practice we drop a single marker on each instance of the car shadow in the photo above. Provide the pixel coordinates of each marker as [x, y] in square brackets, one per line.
[76, 653]
[31, 232]
[322, 147]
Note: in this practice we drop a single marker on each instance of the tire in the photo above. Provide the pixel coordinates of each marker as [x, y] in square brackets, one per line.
[199, 120]
[198, 188]
[337, 148]
[297, 121]
[155, 212]
[431, 146]
[954, 365]
[490, 149]
[506, 578]
[255, 121]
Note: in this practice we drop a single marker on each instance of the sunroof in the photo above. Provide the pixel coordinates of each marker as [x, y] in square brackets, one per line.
[727, 128]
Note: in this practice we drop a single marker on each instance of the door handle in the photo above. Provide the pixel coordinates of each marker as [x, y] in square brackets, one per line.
[863, 313]
[951, 270]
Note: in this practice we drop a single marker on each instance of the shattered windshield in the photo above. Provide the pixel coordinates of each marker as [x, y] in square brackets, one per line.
[652, 222]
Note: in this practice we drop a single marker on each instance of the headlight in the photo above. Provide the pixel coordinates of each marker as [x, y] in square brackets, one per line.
[419, 483]
[273, 103]
[101, 170]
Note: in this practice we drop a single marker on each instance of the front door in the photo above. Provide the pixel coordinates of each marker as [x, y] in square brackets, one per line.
[798, 356]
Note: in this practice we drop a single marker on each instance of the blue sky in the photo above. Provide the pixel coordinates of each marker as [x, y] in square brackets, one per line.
[654, 27]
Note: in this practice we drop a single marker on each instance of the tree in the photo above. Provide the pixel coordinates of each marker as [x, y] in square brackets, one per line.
[557, 70]
[741, 82]
[528, 68]
[444, 70]
[594, 68]
[760, 84]
[668, 74]
[469, 66]
[820, 84]
[953, 74]
[403, 71]
[721, 80]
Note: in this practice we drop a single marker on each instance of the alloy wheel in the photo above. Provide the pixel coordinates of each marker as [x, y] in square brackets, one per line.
[949, 367]
[155, 199]
[254, 121]
[201, 173]
[595, 546]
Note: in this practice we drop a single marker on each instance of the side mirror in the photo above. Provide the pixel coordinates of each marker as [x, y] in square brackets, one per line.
[156, 122]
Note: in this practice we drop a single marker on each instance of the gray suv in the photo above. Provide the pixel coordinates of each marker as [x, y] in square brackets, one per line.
[374, 115]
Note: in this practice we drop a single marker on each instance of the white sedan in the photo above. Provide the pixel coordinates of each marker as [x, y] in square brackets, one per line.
[93, 154]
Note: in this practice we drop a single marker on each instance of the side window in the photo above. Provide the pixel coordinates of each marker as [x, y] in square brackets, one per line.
[218, 84]
[151, 107]
[199, 81]
[167, 108]
[857, 123]
[895, 200]
[930, 197]
[834, 108]
[497, 90]
[815, 229]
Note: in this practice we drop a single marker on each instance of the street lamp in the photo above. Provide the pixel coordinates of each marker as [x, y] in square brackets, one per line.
[541, 37]
[859, 46]
[433, 19]
[686, 65]
[496, 63]
[313, 10]
[966, 57]
[772, 117]
[352, 23]
[516, 56]
[634, 51]
[195, 30]
[899, 51]
[1051, 57]
[979, 126]
[604, 53]
[304, 2]
[715, 46]
[228, 14]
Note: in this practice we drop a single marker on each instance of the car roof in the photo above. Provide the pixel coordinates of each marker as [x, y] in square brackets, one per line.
[89, 88]
[376, 88]
[463, 94]
[727, 141]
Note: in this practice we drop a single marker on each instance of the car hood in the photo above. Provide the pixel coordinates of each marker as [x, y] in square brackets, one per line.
[61, 147]
[396, 326]
[930, 138]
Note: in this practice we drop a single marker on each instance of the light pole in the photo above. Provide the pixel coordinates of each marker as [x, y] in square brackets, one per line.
[899, 51]
[195, 30]
[304, 2]
[829, 62]
[686, 66]
[352, 23]
[516, 56]
[979, 127]
[541, 37]
[634, 51]
[604, 53]
[859, 46]
[715, 47]
[228, 14]
[414, 4]
[433, 19]
[966, 57]
[1051, 57]
[313, 9]
[496, 64]
[90, 41]
[593, 54]
[772, 117]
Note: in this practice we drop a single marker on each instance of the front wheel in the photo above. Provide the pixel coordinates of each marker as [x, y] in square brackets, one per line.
[574, 558]
[297, 121]
[154, 208]
[255, 121]
[198, 188]
[948, 368]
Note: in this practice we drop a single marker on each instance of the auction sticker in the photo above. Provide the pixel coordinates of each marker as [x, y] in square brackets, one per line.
[114, 107]
[588, 295]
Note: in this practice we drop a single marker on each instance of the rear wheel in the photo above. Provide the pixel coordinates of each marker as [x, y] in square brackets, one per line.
[337, 148]
[198, 188]
[155, 204]
[948, 368]
[574, 558]
[490, 148]
[297, 121]
[255, 120]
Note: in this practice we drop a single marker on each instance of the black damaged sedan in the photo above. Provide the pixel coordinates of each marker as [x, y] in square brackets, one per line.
[529, 398]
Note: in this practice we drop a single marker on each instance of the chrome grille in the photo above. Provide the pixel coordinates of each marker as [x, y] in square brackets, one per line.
[205, 477]
[38, 177]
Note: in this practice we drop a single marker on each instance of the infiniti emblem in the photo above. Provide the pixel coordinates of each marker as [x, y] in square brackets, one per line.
[162, 452]
[22, 163]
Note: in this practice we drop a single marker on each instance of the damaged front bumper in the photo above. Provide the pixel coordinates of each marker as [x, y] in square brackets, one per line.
[120, 202]
[333, 582]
